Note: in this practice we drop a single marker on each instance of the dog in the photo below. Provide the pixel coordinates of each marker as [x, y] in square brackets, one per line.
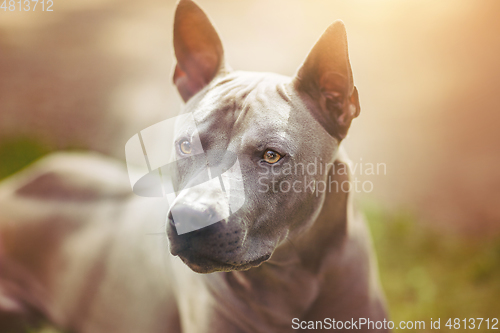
[79, 250]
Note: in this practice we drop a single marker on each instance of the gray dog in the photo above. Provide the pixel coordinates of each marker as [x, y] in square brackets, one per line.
[78, 249]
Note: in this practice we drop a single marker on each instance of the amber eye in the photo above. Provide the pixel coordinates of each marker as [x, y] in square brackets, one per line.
[185, 147]
[271, 156]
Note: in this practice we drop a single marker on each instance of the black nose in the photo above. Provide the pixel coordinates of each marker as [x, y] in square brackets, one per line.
[171, 220]
[182, 215]
[201, 234]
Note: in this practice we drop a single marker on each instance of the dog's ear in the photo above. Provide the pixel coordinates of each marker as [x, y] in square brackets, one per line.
[198, 49]
[326, 76]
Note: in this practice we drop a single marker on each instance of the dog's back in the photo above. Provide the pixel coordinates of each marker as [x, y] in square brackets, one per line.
[70, 255]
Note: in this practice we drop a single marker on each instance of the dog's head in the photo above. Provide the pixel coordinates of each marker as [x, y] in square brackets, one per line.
[275, 125]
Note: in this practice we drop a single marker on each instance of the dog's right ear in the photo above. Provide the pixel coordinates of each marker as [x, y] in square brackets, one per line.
[198, 49]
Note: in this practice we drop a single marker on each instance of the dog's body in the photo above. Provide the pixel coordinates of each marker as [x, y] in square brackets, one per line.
[77, 247]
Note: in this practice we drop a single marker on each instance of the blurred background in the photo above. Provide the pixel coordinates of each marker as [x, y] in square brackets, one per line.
[92, 73]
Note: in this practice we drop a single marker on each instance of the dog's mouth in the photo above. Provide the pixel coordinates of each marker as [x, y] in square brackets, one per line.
[204, 264]
[213, 248]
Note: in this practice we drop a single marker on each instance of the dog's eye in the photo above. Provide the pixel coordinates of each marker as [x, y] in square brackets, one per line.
[271, 157]
[185, 147]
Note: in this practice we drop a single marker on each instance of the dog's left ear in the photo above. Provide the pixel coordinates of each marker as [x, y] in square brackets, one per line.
[327, 77]
[198, 49]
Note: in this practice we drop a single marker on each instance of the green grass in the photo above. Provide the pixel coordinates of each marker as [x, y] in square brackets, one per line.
[425, 273]
[430, 274]
[17, 153]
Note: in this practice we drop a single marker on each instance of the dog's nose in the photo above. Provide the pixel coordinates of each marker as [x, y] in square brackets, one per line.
[216, 241]
[170, 220]
[179, 216]
[184, 216]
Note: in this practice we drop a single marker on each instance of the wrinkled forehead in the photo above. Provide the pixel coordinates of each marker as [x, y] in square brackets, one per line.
[242, 99]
